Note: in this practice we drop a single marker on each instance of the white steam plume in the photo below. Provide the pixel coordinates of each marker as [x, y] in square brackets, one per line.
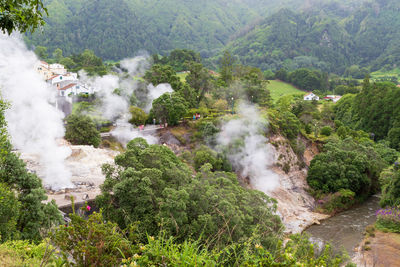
[155, 92]
[116, 106]
[33, 123]
[254, 157]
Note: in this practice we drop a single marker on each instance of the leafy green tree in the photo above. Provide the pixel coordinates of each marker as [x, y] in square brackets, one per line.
[150, 185]
[32, 215]
[170, 108]
[41, 52]
[288, 124]
[25, 15]
[390, 180]
[138, 116]
[89, 62]
[178, 59]
[67, 62]
[9, 209]
[199, 79]
[346, 165]
[163, 74]
[326, 130]
[394, 138]
[58, 55]
[81, 130]
[226, 67]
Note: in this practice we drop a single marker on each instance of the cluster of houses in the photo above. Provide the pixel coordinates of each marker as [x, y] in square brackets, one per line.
[66, 83]
[312, 96]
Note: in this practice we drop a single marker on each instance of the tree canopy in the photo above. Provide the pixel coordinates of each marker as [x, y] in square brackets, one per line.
[150, 185]
[22, 15]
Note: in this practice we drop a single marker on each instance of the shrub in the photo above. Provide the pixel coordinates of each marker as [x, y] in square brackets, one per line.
[92, 242]
[81, 130]
[339, 201]
[388, 219]
[326, 130]
[221, 105]
[286, 167]
[138, 116]
[308, 128]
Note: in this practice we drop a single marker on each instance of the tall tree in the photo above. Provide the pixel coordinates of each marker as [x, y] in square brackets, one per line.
[226, 67]
[21, 15]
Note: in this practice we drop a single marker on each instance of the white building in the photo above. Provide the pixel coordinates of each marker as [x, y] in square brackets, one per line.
[74, 89]
[62, 80]
[43, 69]
[57, 69]
[311, 96]
[334, 98]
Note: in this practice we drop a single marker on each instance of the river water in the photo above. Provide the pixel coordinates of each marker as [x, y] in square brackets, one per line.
[345, 230]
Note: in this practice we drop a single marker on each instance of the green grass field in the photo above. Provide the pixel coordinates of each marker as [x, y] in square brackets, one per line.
[385, 74]
[182, 76]
[279, 89]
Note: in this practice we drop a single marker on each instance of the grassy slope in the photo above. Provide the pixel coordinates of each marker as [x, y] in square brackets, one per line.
[385, 74]
[182, 76]
[279, 89]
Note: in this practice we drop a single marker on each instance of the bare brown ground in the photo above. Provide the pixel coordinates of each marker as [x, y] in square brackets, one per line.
[384, 251]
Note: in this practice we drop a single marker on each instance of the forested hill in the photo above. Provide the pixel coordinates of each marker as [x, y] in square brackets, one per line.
[331, 38]
[115, 29]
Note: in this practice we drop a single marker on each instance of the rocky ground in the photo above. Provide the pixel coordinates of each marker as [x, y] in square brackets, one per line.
[85, 165]
[381, 250]
[295, 204]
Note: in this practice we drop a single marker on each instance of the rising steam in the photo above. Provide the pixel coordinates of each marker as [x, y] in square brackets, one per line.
[248, 150]
[115, 105]
[33, 123]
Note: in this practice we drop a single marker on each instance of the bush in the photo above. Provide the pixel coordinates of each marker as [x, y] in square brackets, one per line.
[138, 116]
[308, 128]
[221, 105]
[81, 130]
[92, 242]
[326, 130]
[345, 165]
[339, 201]
[388, 219]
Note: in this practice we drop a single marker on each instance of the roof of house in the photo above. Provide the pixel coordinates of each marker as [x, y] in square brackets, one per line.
[67, 86]
[44, 62]
[310, 93]
[52, 77]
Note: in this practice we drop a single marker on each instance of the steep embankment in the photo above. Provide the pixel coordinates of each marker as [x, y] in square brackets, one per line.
[295, 204]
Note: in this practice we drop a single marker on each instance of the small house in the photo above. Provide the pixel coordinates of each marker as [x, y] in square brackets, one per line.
[311, 96]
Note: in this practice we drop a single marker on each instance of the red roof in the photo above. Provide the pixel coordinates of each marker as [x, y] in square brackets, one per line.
[52, 77]
[44, 62]
[68, 86]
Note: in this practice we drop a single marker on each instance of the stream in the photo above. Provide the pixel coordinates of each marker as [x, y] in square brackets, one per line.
[345, 230]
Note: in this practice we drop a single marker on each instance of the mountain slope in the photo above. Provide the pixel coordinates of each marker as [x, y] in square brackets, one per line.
[330, 39]
[120, 28]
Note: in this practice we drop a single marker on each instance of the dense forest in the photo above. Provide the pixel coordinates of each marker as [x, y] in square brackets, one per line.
[332, 39]
[120, 28]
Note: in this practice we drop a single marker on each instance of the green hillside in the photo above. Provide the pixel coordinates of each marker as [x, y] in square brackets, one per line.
[278, 89]
[331, 38]
[115, 29]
